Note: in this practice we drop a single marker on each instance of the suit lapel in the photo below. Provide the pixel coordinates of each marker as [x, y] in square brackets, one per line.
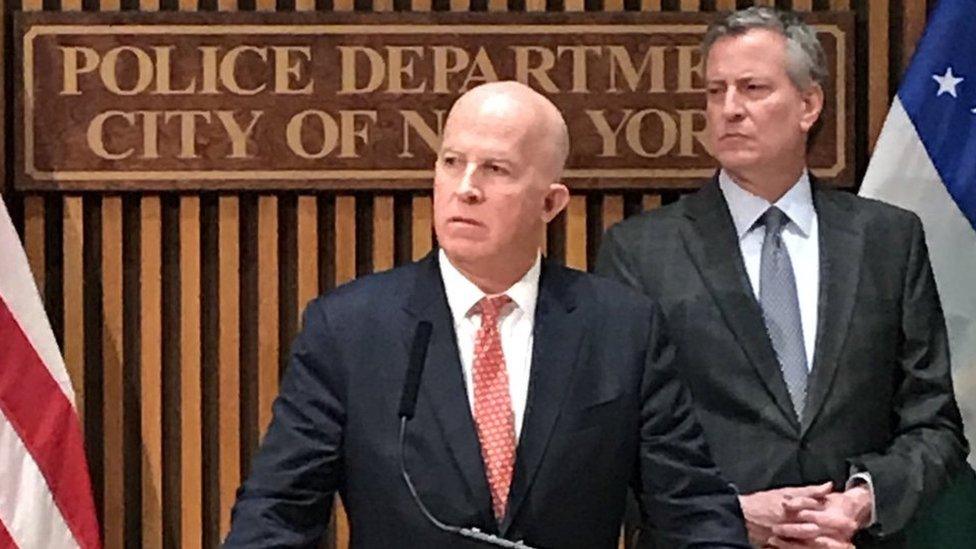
[442, 385]
[841, 248]
[559, 330]
[711, 242]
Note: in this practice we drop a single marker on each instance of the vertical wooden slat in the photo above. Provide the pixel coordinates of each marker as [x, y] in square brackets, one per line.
[74, 298]
[913, 24]
[191, 430]
[613, 5]
[267, 307]
[34, 211]
[421, 5]
[308, 251]
[650, 5]
[764, 2]
[151, 369]
[421, 226]
[725, 5]
[877, 68]
[613, 210]
[343, 5]
[34, 238]
[345, 235]
[382, 5]
[651, 201]
[574, 5]
[576, 233]
[530, 5]
[229, 356]
[113, 511]
[460, 5]
[383, 239]
[802, 5]
[841, 5]
[690, 5]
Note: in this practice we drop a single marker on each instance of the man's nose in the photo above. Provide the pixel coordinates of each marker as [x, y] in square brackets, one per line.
[732, 105]
[467, 190]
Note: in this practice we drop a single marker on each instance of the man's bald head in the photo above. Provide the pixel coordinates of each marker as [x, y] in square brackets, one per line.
[526, 109]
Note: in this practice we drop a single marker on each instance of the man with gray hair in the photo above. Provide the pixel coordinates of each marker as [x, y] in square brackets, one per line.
[807, 319]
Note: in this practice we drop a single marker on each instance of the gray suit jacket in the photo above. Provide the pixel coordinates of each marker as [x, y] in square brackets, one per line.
[880, 395]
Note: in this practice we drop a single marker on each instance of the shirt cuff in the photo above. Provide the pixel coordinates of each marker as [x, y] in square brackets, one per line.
[864, 479]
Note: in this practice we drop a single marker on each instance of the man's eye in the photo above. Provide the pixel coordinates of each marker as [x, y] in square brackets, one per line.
[495, 169]
[449, 161]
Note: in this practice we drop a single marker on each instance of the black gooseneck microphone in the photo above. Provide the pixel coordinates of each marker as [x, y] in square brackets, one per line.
[408, 405]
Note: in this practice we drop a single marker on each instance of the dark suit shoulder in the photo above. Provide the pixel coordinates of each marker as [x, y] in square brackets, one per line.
[604, 295]
[879, 219]
[664, 219]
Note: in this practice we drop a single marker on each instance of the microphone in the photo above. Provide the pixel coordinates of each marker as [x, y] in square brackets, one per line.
[408, 405]
[418, 356]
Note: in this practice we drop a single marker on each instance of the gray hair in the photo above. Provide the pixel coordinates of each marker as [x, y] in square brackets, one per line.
[806, 62]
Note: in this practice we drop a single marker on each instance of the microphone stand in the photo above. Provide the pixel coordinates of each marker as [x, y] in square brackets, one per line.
[474, 534]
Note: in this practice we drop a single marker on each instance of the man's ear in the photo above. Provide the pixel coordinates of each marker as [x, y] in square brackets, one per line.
[556, 199]
[813, 102]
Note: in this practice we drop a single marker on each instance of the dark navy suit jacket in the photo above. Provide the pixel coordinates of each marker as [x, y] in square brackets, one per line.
[605, 410]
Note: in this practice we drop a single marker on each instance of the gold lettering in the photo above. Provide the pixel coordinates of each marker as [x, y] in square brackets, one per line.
[164, 76]
[294, 131]
[431, 137]
[688, 133]
[690, 69]
[188, 130]
[607, 133]
[228, 69]
[579, 64]
[443, 67]
[486, 71]
[238, 136]
[653, 60]
[669, 133]
[71, 70]
[397, 68]
[208, 62]
[96, 135]
[540, 72]
[109, 70]
[347, 121]
[150, 134]
[286, 70]
[376, 68]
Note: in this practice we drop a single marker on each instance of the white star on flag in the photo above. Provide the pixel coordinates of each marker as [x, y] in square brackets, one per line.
[947, 83]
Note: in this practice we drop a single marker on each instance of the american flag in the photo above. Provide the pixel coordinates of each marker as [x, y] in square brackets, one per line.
[45, 492]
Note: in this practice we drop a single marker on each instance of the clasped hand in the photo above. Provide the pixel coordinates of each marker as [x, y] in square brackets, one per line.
[806, 516]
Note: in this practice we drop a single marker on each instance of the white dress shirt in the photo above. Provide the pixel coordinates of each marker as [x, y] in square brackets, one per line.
[800, 236]
[515, 324]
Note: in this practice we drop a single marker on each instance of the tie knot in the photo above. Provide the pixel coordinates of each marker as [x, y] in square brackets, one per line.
[774, 219]
[490, 306]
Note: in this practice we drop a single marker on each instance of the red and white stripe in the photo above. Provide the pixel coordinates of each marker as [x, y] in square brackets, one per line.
[45, 492]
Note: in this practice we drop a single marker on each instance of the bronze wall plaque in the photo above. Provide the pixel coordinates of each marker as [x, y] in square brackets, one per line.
[169, 101]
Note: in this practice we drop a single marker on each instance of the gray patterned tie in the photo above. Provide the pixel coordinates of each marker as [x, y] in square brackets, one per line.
[781, 308]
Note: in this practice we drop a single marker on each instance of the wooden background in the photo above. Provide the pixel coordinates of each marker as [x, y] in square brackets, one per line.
[175, 311]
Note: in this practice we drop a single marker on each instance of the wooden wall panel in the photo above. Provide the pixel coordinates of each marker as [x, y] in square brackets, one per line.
[175, 312]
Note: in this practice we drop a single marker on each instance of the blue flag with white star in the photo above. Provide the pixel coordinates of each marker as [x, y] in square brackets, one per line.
[939, 95]
[925, 161]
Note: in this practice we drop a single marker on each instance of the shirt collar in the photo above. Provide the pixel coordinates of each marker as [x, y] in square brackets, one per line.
[463, 295]
[746, 208]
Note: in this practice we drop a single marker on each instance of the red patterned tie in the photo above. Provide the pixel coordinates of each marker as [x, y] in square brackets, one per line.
[493, 414]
